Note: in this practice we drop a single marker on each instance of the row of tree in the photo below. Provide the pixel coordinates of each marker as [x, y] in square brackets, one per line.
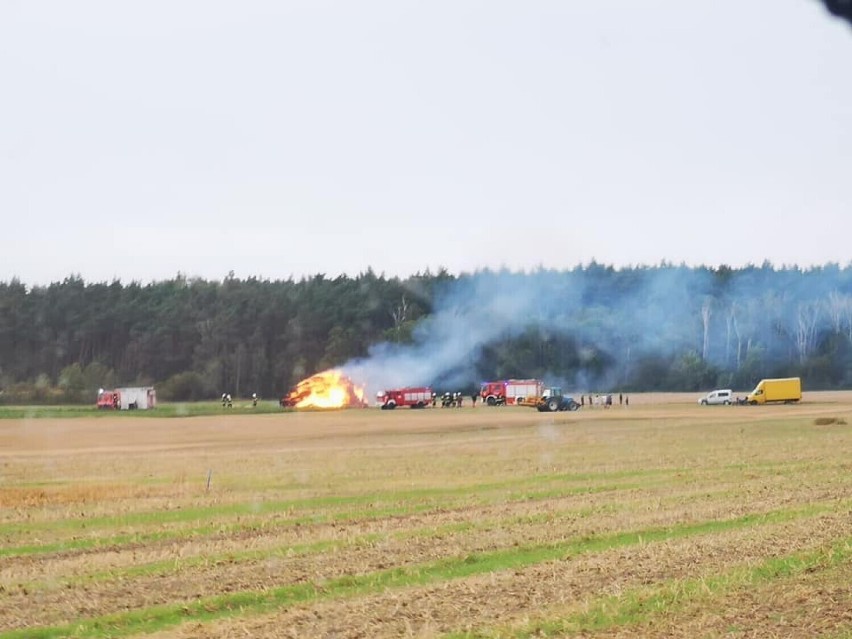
[593, 327]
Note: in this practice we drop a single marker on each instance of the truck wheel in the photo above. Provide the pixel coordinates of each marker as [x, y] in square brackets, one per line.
[727, 402]
[553, 405]
[704, 402]
[491, 401]
[391, 405]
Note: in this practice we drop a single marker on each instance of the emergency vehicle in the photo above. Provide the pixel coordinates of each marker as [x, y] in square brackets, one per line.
[510, 391]
[414, 397]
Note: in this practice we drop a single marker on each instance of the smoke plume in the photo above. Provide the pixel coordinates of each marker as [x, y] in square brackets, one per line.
[723, 318]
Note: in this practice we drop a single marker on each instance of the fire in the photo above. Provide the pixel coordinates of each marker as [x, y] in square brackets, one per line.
[329, 389]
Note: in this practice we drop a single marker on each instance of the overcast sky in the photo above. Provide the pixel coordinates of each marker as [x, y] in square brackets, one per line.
[278, 139]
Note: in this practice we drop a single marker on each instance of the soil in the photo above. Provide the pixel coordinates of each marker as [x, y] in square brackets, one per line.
[364, 491]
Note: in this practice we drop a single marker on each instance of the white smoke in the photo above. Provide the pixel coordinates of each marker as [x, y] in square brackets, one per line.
[614, 317]
[473, 312]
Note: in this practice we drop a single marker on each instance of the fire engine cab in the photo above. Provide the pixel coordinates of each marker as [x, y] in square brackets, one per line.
[109, 399]
[510, 391]
[414, 397]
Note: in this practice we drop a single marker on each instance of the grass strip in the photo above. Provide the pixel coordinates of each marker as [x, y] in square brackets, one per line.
[163, 409]
[369, 514]
[639, 605]
[166, 566]
[242, 509]
[158, 517]
[257, 602]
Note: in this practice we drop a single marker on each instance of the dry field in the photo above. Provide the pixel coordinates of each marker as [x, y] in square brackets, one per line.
[661, 519]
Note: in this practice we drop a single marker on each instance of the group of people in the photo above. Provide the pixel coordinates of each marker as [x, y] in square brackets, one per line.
[453, 400]
[605, 400]
[450, 400]
[227, 402]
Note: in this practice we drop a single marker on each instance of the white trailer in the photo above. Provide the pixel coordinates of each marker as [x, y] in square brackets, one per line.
[137, 397]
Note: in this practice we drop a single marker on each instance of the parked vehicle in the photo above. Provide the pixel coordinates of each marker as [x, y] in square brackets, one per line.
[130, 398]
[723, 396]
[108, 399]
[510, 391]
[553, 400]
[412, 397]
[787, 390]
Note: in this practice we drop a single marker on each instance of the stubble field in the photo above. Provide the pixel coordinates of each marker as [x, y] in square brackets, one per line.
[661, 519]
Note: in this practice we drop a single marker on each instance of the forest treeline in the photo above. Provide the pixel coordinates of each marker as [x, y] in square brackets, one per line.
[593, 327]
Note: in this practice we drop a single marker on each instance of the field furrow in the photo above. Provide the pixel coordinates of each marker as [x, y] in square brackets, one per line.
[661, 520]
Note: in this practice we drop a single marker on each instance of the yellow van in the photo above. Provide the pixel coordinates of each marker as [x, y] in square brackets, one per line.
[787, 390]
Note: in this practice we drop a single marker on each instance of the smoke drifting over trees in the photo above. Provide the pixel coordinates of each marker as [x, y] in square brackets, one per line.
[591, 328]
[668, 327]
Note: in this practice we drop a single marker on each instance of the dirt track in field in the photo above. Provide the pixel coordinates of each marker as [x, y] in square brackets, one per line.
[335, 430]
[101, 516]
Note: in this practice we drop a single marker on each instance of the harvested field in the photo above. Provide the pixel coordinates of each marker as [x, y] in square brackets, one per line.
[661, 519]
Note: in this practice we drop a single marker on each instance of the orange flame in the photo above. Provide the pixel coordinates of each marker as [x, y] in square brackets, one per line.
[329, 389]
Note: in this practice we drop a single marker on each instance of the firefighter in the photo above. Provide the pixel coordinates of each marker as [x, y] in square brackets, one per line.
[230, 403]
[459, 400]
[224, 399]
[254, 399]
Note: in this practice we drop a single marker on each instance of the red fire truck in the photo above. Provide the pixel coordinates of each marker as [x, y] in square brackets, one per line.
[109, 399]
[510, 391]
[414, 397]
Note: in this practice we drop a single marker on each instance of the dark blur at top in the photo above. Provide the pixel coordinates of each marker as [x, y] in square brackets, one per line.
[840, 8]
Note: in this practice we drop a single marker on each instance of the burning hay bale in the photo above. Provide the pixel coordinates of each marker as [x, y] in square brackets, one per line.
[329, 389]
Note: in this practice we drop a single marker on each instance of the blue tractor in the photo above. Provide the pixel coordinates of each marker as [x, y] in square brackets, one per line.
[552, 400]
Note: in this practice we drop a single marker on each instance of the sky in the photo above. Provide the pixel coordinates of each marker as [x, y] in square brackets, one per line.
[283, 139]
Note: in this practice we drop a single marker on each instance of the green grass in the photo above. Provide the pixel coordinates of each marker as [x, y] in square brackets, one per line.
[372, 511]
[298, 512]
[318, 547]
[639, 605]
[163, 409]
[254, 515]
[470, 494]
[157, 618]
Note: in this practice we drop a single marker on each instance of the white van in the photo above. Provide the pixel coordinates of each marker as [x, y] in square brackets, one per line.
[723, 396]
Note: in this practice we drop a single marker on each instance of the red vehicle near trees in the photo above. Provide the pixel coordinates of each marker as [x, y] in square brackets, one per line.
[510, 391]
[109, 399]
[419, 397]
